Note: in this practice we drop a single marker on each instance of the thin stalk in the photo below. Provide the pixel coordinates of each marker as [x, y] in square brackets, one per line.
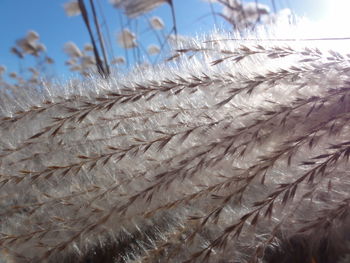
[84, 14]
[109, 42]
[106, 67]
[173, 16]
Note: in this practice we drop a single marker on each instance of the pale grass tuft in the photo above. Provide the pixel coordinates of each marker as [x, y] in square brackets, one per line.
[32, 36]
[245, 13]
[134, 8]
[126, 39]
[72, 50]
[118, 60]
[88, 47]
[234, 150]
[72, 8]
[153, 49]
[13, 75]
[156, 23]
[29, 45]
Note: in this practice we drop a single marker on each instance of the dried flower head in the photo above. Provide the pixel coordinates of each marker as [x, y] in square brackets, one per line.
[71, 61]
[76, 67]
[88, 61]
[153, 49]
[28, 45]
[72, 50]
[88, 47]
[40, 47]
[13, 75]
[134, 8]
[32, 36]
[72, 8]
[244, 15]
[156, 23]
[17, 52]
[118, 60]
[34, 71]
[283, 16]
[126, 39]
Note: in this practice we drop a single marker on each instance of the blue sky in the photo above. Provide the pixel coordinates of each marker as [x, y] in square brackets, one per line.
[47, 17]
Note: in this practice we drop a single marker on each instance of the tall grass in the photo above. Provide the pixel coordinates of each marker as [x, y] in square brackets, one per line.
[233, 151]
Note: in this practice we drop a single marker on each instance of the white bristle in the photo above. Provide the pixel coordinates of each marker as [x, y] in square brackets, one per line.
[222, 154]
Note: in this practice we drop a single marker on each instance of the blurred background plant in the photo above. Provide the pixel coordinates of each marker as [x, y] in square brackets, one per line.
[141, 38]
[23, 47]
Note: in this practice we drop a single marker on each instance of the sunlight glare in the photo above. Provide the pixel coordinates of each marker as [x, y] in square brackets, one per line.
[337, 19]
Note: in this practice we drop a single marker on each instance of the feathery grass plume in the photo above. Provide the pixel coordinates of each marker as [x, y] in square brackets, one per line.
[80, 61]
[126, 39]
[72, 8]
[28, 45]
[247, 15]
[234, 151]
[118, 60]
[13, 75]
[34, 71]
[17, 52]
[153, 49]
[40, 47]
[32, 36]
[156, 23]
[134, 8]
[72, 50]
[88, 47]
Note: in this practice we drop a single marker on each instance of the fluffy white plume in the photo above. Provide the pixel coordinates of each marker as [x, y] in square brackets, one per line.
[72, 8]
[29, 45]
[134, 8]
[127, 39]
[236, 151]
[156, 23]
[246, 15]
[118, 60]
[153, 49]
[88, 47]
[32, 36]
[40, 47]
[72, 50]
